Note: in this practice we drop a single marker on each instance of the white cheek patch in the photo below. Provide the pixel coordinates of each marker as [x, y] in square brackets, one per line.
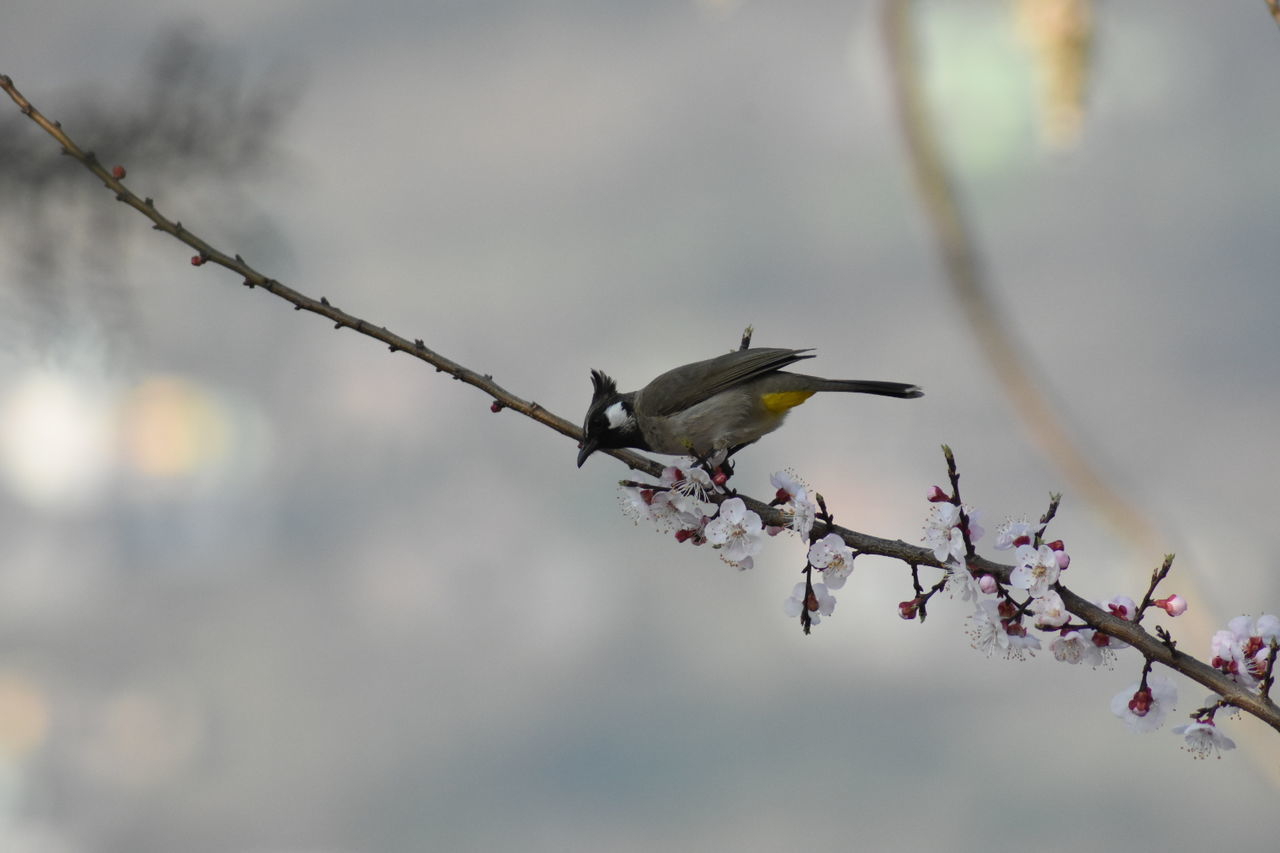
[617, 415]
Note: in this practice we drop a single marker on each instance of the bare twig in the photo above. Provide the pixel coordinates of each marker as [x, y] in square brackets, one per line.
[207, 253]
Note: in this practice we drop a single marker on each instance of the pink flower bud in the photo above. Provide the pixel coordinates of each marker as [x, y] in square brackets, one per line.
[1064, 560]
[118, 172]
[1174, 605]
[988, 584]
[936, 495]
[908, 609]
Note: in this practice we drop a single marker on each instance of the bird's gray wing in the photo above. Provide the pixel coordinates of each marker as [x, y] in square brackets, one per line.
[682, 387]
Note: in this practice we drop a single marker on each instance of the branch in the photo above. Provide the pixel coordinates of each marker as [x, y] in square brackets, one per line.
[1149, 646]
[1153, 648]
[207, 253]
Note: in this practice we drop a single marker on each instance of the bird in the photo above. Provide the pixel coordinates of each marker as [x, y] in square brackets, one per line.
[707, 407]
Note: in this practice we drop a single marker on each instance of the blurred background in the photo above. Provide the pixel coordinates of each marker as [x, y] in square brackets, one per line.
[267, 587]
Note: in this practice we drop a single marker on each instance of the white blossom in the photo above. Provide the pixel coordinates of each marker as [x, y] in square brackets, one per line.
[737, 532]
[833, 557]
[1145, 710]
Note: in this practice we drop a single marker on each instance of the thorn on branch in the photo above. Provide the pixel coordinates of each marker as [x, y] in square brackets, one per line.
[417, 342]
[249, 284]
[149, 201]
[324, 302]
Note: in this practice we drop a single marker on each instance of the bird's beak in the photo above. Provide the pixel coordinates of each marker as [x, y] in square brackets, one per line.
[588, 447]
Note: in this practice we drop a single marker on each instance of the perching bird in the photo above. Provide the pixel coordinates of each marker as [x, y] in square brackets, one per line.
[721, 404]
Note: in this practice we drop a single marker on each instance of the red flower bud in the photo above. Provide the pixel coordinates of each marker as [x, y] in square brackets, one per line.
[1140, 704]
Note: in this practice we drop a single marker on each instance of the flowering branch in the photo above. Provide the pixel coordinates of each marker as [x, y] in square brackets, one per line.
[704, 511]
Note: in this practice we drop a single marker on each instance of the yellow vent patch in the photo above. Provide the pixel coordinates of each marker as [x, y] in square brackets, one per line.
[783, 400]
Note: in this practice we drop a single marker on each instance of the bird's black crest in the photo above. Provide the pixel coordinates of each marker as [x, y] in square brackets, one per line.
[603, 385]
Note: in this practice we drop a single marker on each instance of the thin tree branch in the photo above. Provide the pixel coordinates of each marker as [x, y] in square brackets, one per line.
[1151, 647]
[207, 253]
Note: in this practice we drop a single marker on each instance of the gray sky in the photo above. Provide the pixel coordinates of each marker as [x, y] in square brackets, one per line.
[270, 588]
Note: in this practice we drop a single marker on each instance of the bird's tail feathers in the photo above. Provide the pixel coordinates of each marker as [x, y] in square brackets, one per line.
[868, 386]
